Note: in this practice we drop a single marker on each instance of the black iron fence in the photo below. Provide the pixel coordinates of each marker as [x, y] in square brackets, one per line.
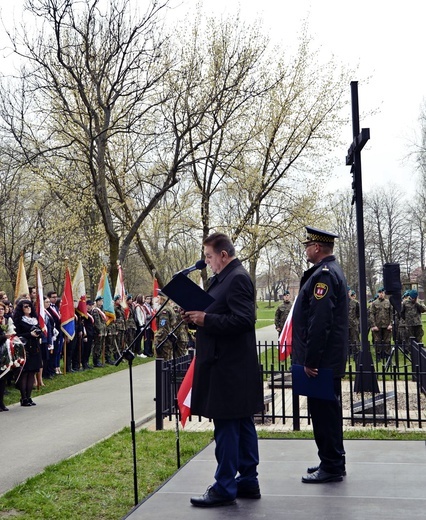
[389, 391]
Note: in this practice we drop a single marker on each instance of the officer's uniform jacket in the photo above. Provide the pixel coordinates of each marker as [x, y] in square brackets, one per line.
[320, 318]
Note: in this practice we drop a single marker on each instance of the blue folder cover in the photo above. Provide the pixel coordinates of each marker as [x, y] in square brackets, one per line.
[321, 387]
[187, 294]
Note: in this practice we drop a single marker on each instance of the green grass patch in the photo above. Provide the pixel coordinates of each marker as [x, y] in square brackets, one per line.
[99, 482]
[265, 313]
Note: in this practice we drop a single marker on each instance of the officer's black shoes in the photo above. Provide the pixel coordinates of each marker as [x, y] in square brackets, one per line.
[313, 469]
[211, 499]
[245, 492]
[322, 477]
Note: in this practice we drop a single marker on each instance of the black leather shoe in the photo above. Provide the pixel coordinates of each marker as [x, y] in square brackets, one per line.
[98, 365]
[321, 477]
[312, 469]
[3, 408]
[253, 492]
[211, 499]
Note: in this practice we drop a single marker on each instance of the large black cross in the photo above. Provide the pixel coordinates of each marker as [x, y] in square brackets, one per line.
[353, 159]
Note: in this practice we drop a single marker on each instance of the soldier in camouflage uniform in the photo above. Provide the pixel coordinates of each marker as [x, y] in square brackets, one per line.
[354, 343]
[411, 312]
[400, 324]
[130, 322]
[120, 323]
[282, 312]
[100, 332]
[166, 322]
[182, 334]
[381, 324]
[111, 343]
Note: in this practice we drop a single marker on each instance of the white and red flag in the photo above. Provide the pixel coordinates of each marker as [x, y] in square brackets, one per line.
[121, 292]
[41, 311]
[184, 394]
[286, 336]
[79, 291]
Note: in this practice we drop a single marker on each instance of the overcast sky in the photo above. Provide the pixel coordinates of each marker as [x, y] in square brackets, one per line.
[386, 39]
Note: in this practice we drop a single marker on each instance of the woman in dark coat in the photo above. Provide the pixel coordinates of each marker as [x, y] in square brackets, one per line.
[28, 330]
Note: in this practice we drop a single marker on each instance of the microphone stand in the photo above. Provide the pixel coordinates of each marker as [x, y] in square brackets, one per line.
[173, 338]
[129, 356]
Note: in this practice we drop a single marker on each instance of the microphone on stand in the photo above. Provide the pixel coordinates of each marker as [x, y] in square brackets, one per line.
[197, 266]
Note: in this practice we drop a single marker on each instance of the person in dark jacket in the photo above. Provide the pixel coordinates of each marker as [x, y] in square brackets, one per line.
[28, 330]
[320, 340]
[227, 383]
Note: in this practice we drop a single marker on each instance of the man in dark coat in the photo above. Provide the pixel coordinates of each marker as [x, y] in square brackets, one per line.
[227, 384]
[320, 340]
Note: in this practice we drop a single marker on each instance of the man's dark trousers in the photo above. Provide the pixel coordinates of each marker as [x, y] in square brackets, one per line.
[328, 430]
[236, 452]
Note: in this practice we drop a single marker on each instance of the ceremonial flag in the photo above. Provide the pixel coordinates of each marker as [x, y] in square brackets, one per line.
[120, 292]
[67, 308]
[104, 290]
[41, 311]
[155, 290]
[21, 286]
[79, 291]
[286, 336]
[184, 394]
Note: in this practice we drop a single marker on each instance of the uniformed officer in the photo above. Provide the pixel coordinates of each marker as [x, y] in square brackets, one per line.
[411, 313]
[282, 312]
[166, 321]
[381, 324]
[401, 328]
[354, 344]
[130, 322]
[120, 323]
[320, 340]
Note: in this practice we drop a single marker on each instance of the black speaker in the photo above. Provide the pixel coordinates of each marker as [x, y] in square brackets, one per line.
[392, 278]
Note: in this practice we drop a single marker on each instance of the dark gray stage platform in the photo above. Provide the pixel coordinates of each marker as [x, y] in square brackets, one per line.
[386, 480]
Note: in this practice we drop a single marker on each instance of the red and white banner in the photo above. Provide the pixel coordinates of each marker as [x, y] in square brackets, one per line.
[184, 394]
[41, 311]
[286, 336]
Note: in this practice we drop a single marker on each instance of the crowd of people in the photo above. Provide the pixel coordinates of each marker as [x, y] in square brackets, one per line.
[30, 355]
[384, 322]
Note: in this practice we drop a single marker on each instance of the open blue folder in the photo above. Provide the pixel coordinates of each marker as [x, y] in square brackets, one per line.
[321, 387]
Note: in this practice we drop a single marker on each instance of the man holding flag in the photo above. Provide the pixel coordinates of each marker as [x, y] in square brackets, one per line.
[227, 384]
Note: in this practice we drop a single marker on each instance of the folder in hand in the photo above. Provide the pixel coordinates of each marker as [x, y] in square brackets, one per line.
[187, 294]
[321, 386]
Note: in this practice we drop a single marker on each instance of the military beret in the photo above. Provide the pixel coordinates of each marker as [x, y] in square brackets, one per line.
[413, 294]
[382, 289]
[99, 298]
[285, 293]
[319, 235]
[116, 298]
[89, 302]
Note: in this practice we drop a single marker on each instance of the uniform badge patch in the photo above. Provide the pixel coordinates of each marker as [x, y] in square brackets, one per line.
[320, 290]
